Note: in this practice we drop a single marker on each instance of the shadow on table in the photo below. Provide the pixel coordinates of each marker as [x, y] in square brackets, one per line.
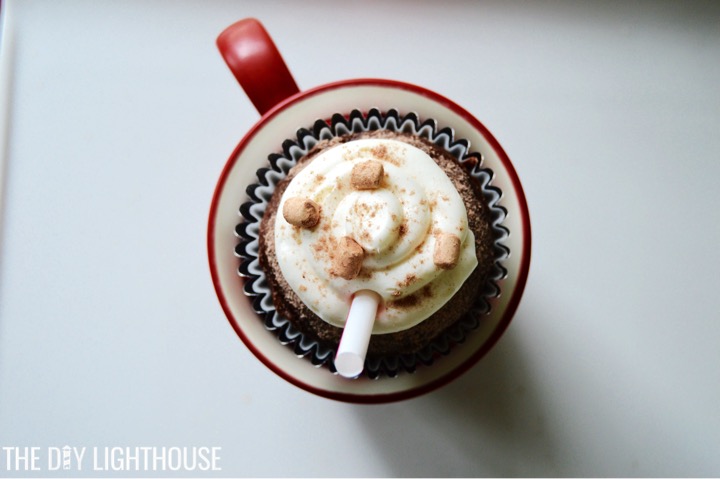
[489, 422]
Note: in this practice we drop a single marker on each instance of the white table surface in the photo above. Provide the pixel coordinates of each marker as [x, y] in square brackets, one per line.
[121, 116]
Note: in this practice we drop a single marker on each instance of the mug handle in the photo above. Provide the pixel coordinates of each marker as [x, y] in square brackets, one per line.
[256, 63]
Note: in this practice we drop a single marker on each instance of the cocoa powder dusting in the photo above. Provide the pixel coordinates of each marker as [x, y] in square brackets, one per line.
[409, 279]
[402, 229]
[290, 306]
[380, 152]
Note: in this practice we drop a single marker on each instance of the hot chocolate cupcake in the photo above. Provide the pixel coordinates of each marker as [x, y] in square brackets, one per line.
[373, 202]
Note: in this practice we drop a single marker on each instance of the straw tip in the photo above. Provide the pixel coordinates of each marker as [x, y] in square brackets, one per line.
[349, 364]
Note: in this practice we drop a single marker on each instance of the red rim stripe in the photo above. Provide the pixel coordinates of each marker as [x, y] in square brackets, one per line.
[522, 272]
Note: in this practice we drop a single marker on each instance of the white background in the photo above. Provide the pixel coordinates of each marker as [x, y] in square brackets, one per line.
[122, 115]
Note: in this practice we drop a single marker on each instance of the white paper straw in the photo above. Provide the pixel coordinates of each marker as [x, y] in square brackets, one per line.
[350, 356]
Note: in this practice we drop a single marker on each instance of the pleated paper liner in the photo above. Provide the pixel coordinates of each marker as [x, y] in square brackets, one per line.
[256, 286]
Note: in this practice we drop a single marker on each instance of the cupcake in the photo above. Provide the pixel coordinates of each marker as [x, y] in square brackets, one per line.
[379, 202]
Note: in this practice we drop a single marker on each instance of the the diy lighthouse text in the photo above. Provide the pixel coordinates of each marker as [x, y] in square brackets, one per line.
[143, 458]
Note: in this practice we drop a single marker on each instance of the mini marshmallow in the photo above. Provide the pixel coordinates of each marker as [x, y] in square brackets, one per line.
[301, 212]
[348, 258]
[447, 250]
[367, 175]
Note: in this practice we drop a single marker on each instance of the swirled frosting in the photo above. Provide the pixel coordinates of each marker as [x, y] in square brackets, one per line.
[397, 224]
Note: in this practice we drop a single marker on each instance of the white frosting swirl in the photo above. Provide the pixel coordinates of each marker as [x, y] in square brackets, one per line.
[395, 224]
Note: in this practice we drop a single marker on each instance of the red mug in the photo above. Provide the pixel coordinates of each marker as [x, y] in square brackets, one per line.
[258, 66]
